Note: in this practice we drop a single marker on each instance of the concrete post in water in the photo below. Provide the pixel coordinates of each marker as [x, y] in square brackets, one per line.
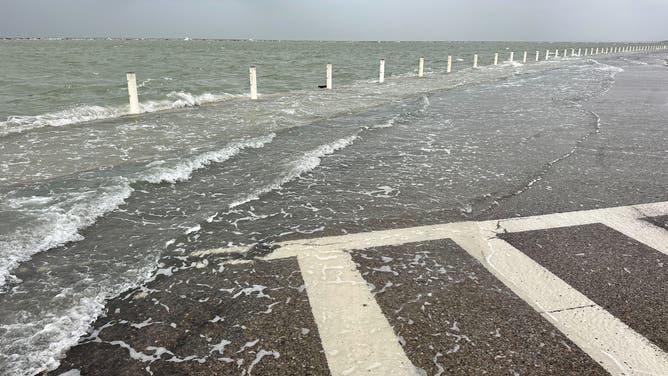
[547, 54]
[329, 76]
[579, 51]
[556, 53]
[537, 55]
[475, 60]
[512, 56]
[572, 52]
[132, 93]
[381, 72]
[253, 82]
[586, 50]
[449, 64]
[496, 58]
[524, 60]
[421, 68]
[596, 50]
[565, 53]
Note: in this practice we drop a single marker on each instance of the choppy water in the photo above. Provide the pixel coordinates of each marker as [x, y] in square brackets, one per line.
[91, 199]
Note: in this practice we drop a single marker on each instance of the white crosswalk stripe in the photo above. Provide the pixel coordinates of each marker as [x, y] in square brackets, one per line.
[358, 339]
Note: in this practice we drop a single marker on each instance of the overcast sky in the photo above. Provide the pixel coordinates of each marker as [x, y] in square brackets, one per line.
[516, 20]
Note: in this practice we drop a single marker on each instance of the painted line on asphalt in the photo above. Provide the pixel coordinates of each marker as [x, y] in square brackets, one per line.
[358, 339]
[617, 347]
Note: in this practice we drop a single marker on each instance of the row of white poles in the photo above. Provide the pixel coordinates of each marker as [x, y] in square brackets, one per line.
[134, 98]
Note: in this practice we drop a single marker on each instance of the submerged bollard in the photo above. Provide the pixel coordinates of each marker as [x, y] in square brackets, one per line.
[524, 60]
[381, 71]
[132, 93]
[496, 58]
[449, 64]
[329, 76]
[475, 60]
[421, 67]
[253, 82]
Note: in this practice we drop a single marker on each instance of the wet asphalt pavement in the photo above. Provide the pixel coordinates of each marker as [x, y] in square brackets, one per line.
[223, 315]
[452, 316]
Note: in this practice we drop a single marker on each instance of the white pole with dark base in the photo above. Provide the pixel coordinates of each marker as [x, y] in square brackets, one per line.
[329, 76]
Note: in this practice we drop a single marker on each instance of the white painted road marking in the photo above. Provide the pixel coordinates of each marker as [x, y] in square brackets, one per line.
[358, 339]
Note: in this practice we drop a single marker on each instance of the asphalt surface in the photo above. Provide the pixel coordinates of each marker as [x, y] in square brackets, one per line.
[625, 277]
[450, 315]
[453, 317]
[622, 164]
[210, 317]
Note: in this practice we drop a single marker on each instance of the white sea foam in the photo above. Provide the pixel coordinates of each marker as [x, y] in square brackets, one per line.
[18, 124]
[308, 162]
[607, 68]
[390, 123]
[38, 345]
[80, 114]
[181, 99]
[56, 224]
[59, 218]
[184, 169]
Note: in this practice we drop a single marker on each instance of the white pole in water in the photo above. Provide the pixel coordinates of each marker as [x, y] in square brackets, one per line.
[524, 60]
[381, 72]
[586, 50]
[556, 52]
[512, 56]
[547, 54]
[565, 53]
[253, 82]
[496, 58]
[449, 64]
[596, 50]
[329, 76]
[572, 52]
[475, 60]
[132, 93]
[579, 51]
[421, 68]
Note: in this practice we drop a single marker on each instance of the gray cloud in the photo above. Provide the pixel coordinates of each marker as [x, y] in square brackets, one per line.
[563, 20]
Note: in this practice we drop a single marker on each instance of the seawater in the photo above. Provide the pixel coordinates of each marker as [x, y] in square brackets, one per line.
[92, 199]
